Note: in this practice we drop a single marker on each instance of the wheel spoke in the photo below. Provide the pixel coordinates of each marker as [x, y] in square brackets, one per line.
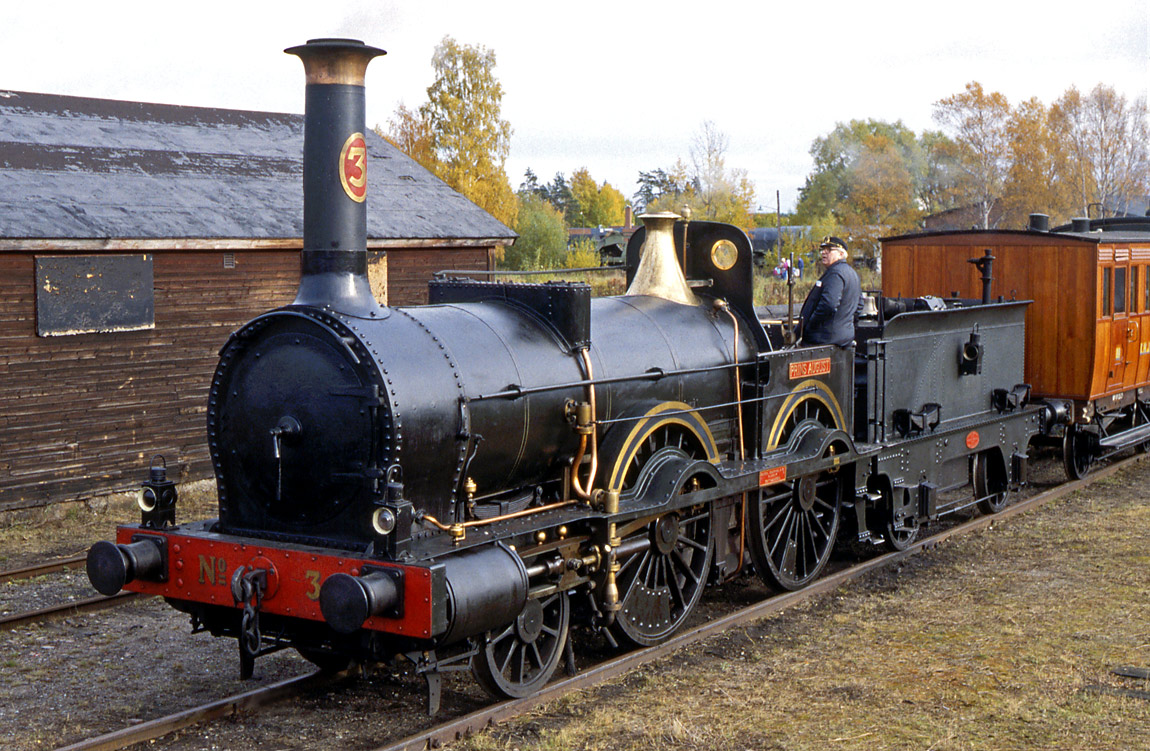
[673, 583]
[786, 564]
[690, 520]
[684, 567]
[702, 548]
[627, 563]
[504, 633]
[643, 571]
[813, 549]
[817, 518]
[783, 508]
[507, 660]
[783, 531]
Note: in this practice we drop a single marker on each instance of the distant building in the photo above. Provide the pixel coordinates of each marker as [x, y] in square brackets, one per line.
[609, 242]
[133, 239]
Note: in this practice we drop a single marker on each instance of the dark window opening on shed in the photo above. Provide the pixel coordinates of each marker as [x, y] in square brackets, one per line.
[93, 294]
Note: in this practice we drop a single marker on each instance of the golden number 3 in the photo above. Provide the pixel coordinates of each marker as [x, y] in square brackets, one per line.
[313, 577]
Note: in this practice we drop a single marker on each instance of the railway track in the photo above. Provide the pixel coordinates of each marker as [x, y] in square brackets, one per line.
[87, 605]
[459, 727]
[40, 569]
[61, 610]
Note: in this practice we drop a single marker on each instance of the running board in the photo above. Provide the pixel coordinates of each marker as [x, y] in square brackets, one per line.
[1127, 438]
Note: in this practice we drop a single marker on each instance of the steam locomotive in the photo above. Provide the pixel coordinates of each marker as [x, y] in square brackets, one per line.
[457, 484]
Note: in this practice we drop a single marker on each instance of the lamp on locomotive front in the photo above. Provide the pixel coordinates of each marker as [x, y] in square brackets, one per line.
[659, 273]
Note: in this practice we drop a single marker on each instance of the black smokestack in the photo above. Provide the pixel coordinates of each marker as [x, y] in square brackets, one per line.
[333, 265]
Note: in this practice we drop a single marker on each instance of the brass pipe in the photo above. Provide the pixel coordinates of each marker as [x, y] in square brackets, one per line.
[457, 530]
[576, 485]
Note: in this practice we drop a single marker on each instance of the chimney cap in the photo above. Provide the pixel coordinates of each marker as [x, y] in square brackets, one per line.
[335, 61]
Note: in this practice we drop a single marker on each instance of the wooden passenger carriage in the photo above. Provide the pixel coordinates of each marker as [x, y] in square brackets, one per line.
[1087, 331]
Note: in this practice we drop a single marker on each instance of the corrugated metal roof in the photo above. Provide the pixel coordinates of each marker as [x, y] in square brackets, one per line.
[73, 167]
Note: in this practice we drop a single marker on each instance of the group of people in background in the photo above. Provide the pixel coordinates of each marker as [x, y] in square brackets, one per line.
[780, 271]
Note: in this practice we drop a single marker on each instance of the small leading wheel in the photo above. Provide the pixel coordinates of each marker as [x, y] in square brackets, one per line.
[792, 529]
[660, 585]
[988, 476]
[519, 660]
[1077, 452]
[902, 538]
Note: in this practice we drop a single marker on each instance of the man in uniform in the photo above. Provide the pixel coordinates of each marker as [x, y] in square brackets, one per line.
[834, 304]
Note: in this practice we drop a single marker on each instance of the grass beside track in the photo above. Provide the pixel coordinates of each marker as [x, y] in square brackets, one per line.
[1001, 640]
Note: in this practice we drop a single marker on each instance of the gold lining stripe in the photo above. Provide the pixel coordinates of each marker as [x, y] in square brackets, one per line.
[827, 398]
[652, 421]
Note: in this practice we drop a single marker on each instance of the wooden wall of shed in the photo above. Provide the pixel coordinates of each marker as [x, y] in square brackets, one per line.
[83, 414]
[408, 271]
[1059, 275]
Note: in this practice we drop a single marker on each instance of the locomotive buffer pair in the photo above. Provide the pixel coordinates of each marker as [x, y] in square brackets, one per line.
[458, 484]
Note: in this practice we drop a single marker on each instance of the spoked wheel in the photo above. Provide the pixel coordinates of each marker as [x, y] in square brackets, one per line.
[900, 539]
[1077, 453]
[518, 660]
[792, 529]
[988, 477]
[660, 585]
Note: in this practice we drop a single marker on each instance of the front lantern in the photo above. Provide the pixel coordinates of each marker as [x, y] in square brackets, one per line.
[157, 497]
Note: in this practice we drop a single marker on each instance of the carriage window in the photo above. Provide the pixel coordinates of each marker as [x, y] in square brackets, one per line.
[1105, 293]
[1133, 289]
[1119, 290]
[1145, 288]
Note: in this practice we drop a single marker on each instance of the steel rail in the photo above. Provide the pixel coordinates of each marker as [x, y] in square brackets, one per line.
[39, 569]
[158, 728]
[89, 605]
[454, 730]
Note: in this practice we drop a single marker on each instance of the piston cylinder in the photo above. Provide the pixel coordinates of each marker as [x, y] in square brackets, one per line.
[485, 589]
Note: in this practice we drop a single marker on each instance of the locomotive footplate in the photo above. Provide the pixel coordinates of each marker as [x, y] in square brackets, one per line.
[201, 565]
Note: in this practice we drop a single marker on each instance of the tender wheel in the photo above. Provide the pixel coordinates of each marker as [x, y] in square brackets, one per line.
[1077, 453]
[520, 659]
[792, 531]
[988, 477]
[660, 585]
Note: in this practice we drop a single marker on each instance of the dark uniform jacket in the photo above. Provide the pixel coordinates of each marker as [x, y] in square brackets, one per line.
[833, 307]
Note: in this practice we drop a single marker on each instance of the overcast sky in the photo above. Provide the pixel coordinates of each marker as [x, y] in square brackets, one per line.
[617, 87]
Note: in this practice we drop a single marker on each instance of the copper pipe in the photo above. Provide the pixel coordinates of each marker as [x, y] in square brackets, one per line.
[738, 379]
[481, 522]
